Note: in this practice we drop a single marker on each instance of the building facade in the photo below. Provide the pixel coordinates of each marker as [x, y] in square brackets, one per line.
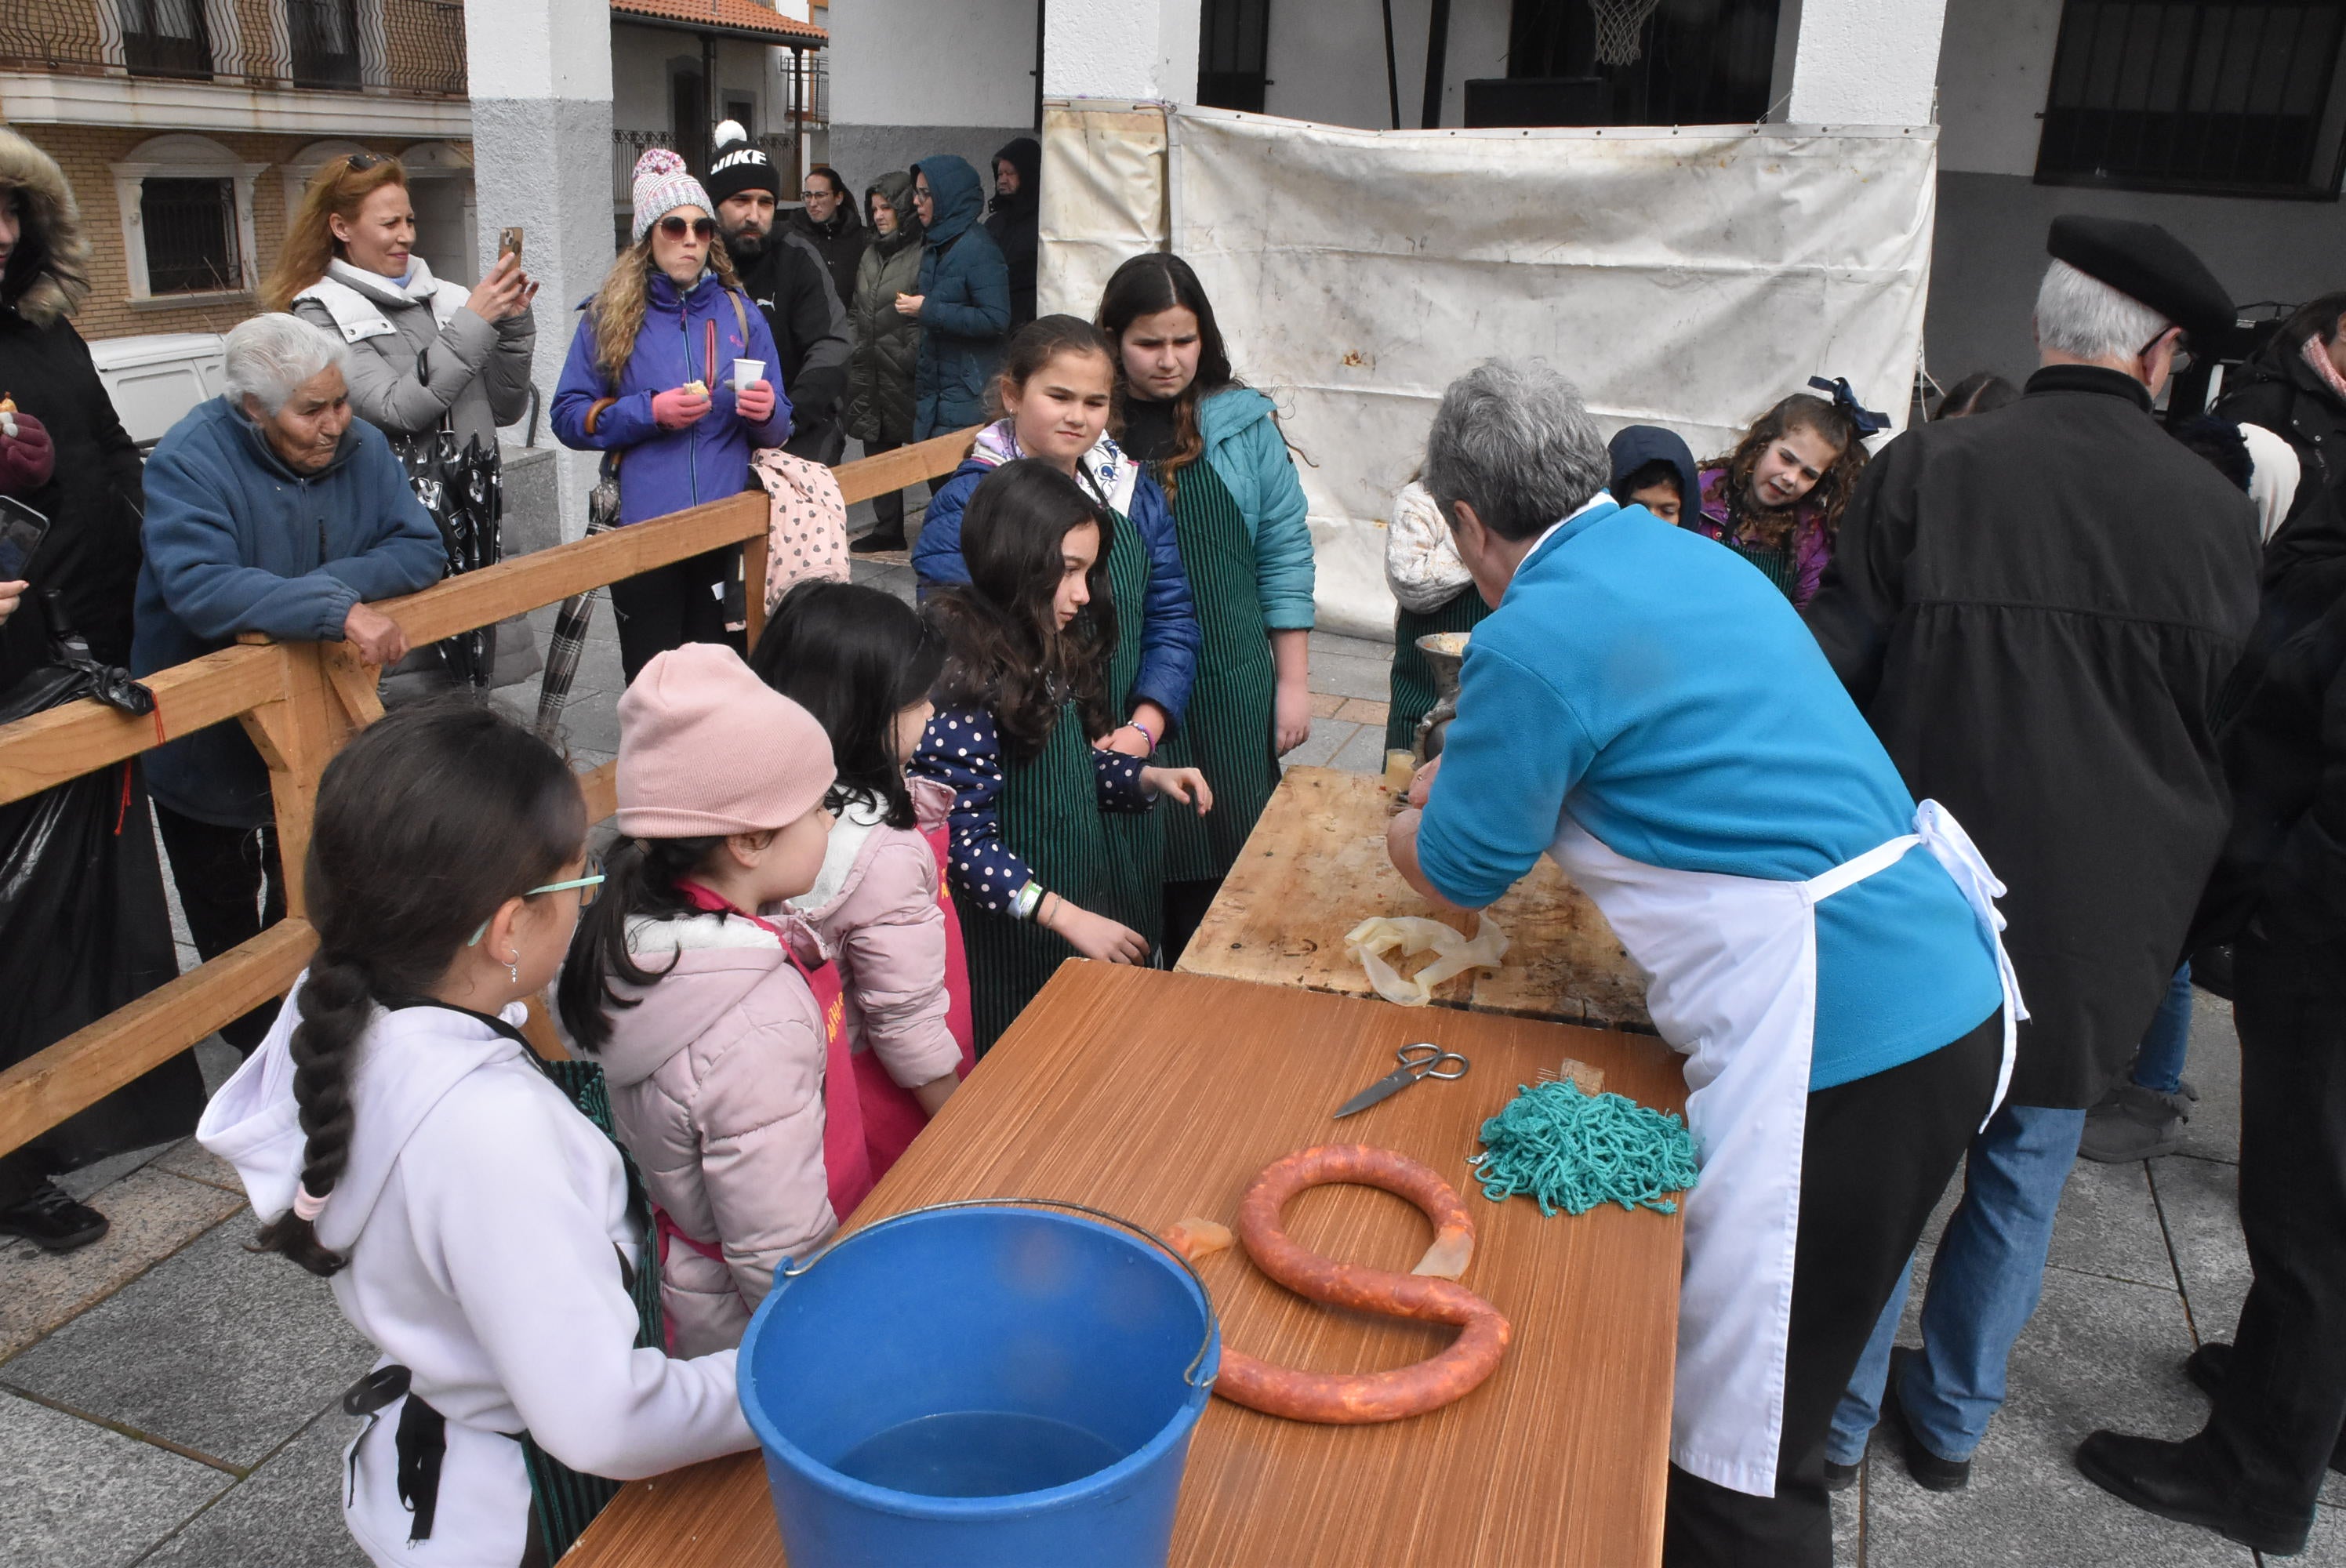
[2223, 121]
[188, 128]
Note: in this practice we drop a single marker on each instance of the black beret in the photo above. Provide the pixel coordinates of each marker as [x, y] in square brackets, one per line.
[2144, 262]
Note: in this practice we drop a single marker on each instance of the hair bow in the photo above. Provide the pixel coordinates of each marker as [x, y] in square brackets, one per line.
[1868, 422]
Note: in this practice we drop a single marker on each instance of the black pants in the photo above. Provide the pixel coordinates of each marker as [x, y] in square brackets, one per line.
[231, 886]
[670, 605]
[1875, 1158]
[887, 507]
[2284, 1398]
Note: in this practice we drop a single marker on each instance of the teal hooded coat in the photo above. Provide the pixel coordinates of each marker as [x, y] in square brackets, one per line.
[1249, 457]
[965, 311]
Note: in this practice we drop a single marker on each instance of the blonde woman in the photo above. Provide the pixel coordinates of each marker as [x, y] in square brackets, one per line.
[651, 377]
[426, 356]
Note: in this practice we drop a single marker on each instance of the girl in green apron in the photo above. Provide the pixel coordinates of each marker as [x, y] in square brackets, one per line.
[1212, 444]
[1777, 499]
[1039, 873]
[1056, 382]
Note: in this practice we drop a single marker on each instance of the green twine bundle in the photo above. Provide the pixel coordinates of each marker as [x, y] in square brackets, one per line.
[1573, 1151]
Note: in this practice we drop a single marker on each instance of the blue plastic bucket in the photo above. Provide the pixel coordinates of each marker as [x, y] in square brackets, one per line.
[979, 1384]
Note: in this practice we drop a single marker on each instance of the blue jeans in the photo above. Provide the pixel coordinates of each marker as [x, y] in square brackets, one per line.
[1985, 1283]
[2158, 1061]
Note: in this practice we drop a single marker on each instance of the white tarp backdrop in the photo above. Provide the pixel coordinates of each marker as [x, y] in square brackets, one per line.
[1682, 277]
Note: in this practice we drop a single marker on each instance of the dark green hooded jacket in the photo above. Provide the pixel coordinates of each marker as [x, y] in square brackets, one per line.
[887, 341]
[966, 314]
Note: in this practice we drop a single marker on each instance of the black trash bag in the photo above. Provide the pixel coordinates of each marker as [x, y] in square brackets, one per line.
[84, 928]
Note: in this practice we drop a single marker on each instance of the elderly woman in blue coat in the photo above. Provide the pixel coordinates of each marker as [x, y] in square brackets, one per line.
[963, 303]
[269, 509]
[652, 379]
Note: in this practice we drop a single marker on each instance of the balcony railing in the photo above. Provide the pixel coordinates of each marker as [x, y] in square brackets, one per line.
[416, 50]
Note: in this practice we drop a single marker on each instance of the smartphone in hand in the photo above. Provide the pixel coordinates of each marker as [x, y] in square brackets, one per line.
[22, 529]
[509, 243]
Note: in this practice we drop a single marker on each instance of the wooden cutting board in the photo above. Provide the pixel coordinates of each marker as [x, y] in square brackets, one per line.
[1316, 867]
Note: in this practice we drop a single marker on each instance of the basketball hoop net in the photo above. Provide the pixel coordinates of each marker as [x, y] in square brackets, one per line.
[1620, 29]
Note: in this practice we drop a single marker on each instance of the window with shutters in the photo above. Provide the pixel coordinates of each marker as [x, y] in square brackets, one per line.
[191, 238]
[1233, 54]
[2217, 96]
[165, 38]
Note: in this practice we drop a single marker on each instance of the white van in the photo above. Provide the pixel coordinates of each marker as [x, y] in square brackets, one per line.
[156, 379]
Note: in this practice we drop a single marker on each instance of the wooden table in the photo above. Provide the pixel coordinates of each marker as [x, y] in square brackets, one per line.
[1315, 867]
[1158, 1096]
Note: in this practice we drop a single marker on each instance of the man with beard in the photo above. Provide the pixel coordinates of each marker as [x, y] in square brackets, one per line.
[787, 278]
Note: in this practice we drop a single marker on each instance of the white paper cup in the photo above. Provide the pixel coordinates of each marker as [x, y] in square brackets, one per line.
[746, 372]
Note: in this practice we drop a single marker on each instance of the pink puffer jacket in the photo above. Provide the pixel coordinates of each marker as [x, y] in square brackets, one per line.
[875, 906]
[716, 1082]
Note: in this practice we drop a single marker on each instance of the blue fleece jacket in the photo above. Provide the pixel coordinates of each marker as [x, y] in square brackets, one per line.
[238, 541]
[1250, 458]
[965, 290]
[666, 471]
[1669, 698]
[1167, 623]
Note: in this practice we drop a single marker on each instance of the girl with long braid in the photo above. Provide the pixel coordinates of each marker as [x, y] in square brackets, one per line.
[398, 1137]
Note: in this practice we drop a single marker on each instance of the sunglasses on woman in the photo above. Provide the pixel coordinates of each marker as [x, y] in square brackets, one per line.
[678, 228]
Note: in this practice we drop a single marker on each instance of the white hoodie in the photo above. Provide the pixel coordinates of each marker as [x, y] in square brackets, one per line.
[479, 1212]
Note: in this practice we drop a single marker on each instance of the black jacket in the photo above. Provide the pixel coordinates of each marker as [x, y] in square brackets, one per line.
[839, 242]
[791, 286]
[92, 499]
[2036, 609]
[1015, 222]
[2282, 726]
[2281, 392]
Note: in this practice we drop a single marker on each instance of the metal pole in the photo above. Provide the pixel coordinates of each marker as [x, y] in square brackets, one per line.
[1393, 70]
[1437, 50]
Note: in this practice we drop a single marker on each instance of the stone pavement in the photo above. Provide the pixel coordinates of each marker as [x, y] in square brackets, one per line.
[168, 1397]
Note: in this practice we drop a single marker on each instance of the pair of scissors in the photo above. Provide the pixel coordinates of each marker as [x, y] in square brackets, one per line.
[1421, 1061]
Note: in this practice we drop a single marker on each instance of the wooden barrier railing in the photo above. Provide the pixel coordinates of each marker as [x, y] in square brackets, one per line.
[299, 702]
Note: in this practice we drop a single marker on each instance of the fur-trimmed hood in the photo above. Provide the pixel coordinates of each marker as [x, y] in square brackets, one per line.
[50, 274]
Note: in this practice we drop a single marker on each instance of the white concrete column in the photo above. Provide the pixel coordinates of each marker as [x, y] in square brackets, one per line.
[1138, 49]
[541, 88]
[1861, 62]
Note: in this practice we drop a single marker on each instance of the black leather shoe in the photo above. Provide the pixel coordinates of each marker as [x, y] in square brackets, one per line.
[1840, 1477]
[53, 1221]
[2211, 1363]
[1930, 1472]
[876, 543]
[2174, 1481]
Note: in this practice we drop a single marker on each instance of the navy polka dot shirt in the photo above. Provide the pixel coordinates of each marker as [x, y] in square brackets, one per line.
[963, 748]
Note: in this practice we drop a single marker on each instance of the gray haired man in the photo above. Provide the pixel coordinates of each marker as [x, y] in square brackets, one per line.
[2036, 608]
[269, 509]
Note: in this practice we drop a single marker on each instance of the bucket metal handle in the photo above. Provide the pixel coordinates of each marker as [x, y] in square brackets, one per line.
[800, 1266]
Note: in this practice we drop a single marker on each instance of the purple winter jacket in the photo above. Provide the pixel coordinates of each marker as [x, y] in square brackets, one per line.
[667, 470]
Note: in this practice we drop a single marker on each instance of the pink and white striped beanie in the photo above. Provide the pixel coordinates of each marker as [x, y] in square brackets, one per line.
[662, 185]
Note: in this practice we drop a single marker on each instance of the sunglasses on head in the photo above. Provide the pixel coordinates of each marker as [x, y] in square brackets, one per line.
[360, 162]
[698, 228]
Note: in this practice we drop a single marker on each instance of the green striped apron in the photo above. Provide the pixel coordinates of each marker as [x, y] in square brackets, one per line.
[1411, 695]
[562, 1502]
[1225, 731]
[1051, 817]
[1139, 836]
[1775, 562]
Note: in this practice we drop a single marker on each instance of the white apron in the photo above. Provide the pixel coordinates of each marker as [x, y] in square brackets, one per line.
[1733, 967]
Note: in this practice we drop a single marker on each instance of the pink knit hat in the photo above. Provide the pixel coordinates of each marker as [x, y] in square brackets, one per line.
[708, 748]
[662, 185]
